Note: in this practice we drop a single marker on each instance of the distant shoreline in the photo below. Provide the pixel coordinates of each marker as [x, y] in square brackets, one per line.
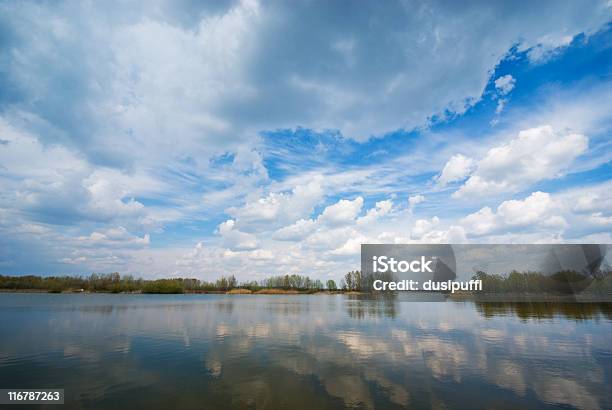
[457, 297]
[203, 292]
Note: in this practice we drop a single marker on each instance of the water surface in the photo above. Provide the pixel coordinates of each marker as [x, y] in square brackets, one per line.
[304, 352]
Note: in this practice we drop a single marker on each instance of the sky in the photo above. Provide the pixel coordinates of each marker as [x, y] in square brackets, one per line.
[195, 139]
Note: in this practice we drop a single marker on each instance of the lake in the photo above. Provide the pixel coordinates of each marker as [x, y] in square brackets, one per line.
[304, 352]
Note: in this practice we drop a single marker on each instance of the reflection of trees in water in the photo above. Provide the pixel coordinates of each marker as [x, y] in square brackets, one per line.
[264, 355]
[545, 310]
[226, 306]
[288, 308]
[367, 306]
[362, 306]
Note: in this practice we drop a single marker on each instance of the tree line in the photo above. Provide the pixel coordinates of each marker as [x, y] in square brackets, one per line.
[536, 282]
[354, 281]
[117, 283]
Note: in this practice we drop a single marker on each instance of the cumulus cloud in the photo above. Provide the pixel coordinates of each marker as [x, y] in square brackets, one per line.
[380, 209]
[538, 210]
[588, 206]
[481, 222]
[352, 246]
[536, 154]
[342, 212]
[281, 207]
[423, 226]
[234, 238]
[431, 231]
[531, 210]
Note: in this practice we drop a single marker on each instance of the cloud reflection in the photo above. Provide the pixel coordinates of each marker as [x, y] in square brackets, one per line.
[304, 351]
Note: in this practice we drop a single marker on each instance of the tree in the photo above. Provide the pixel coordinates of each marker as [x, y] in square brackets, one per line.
[352, 281]
[348, 279]
[226, 283]
[331, 285]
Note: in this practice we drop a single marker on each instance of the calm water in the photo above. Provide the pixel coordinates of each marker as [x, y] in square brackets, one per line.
[304, 352]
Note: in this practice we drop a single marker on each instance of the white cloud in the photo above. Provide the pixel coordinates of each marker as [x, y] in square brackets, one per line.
[53, 163]
[115, 237]
[381, 209]
[327, 238]
[531, 210]
[352, 246]
[234, 238]
[423, 226]
[74, 261]
[505, 84]
[548, 46]
[589, 200]
[342, 212]
[296, 231]
[280, 208]
[108, 199]
[456, 169]
[414, 200]
[599, 219]
[432, 231]
[584, 202]
[481, 222]
[63, 187]
[536, 154]
[182, 75]
[538, 210]
[454, 234]
[321, 249]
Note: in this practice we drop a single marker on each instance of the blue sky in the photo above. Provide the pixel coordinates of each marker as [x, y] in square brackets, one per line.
[257, 138]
